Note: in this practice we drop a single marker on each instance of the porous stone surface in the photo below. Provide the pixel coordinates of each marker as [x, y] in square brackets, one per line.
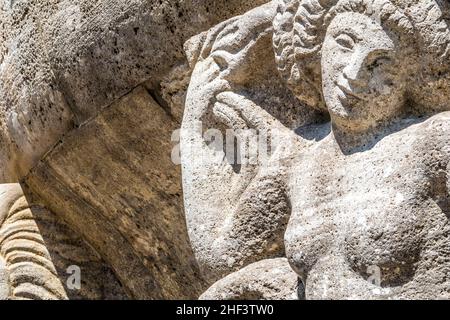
[363, 181]
[4, 281]
[124, 197]
[236, 214]
[314, 145]
[77, 78]
[271, 279]
[66, 60]
[37, 249]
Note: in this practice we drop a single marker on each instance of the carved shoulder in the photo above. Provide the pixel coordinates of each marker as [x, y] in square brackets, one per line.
[433, 144]
[436, 133]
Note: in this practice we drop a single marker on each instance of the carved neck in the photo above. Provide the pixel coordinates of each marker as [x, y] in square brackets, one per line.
[356, 138]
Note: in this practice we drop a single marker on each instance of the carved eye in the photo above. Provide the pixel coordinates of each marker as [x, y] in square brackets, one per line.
[345, 41]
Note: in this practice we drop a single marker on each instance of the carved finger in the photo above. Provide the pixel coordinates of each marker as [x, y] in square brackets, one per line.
[252, 114]
[229, 116]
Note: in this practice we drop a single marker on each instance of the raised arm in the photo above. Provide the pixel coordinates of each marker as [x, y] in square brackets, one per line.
[236, 209]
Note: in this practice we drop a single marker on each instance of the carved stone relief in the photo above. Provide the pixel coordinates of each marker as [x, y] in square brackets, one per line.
[360, 170]
[314, 149]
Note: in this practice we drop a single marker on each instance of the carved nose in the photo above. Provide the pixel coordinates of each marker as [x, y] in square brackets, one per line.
[352, 73]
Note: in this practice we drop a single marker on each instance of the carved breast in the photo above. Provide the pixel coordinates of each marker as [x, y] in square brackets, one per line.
[375, 207]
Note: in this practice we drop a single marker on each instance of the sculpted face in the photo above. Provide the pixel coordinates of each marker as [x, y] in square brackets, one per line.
[362, 78]
[347, 211]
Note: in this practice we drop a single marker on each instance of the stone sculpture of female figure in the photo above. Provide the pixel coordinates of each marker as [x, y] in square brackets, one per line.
[375, 198]
[367, 190]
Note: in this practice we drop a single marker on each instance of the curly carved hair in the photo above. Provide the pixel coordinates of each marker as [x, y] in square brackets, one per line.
[300, 27]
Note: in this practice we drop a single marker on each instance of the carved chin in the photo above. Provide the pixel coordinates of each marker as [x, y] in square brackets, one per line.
[343, 110]
[354, 116]
[340, 105]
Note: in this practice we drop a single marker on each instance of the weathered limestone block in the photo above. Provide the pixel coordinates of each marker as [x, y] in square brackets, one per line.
[36, 251]
[113, 181]
[271, 279]
[349, 99]
[64, 65]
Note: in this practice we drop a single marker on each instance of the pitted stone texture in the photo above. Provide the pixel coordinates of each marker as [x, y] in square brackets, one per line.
[365, 188]
[372, 224]
[4, 280]
[236, 215]
[423, 25]
[61, 64]
[63, 61]
[113, 181]
[36, 250]
[271, 279]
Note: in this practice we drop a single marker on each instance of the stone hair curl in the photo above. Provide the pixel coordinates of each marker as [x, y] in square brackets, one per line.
[300, 27]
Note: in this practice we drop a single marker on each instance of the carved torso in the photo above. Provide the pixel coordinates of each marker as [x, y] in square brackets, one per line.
[386, 206]
[368, 200]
